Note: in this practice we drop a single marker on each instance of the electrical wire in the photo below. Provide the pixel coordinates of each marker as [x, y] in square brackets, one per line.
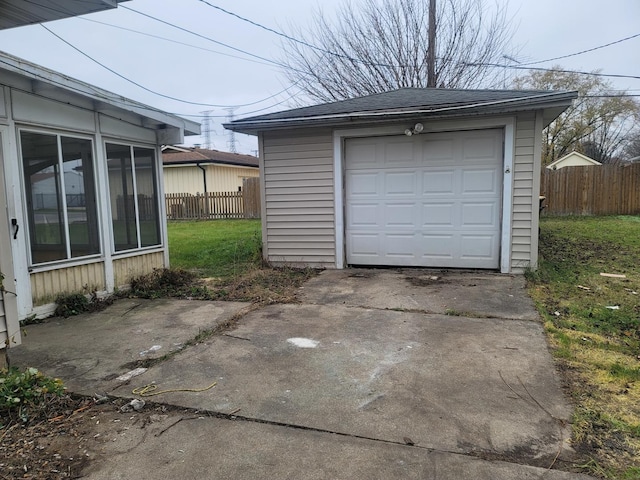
[217, 42]
[517, 67]
[153, 91]
[173, 41]
[296, 40]
[582, 51]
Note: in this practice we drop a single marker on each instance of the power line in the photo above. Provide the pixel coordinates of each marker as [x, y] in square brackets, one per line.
[173, 41]
[293, 39]
[583, 51]
[217, 42]
[153, 91]
[517, 67]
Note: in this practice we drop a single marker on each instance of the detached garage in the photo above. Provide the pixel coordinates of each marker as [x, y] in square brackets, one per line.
[413, 177]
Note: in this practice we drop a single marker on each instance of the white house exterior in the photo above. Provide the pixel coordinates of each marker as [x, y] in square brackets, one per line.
[80, 189]
[573, 159]
[413, 177]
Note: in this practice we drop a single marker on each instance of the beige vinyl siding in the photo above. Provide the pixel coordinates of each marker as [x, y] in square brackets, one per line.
[525, 200]
[220, 178]
[47, 285]
[124, 269]
[299, 198]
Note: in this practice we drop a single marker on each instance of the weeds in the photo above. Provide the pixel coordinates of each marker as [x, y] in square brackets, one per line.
[24, 393]
[70, 304]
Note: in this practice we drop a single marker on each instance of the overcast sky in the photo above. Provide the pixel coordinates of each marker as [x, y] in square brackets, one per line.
[214, 74]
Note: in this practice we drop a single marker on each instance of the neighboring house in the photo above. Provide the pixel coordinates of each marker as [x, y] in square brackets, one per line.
[412, 177]
[573, 159]
[199, 170]
[81, 205]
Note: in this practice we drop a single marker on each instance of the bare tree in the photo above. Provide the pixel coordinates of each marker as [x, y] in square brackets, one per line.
[598, 123]
[380, 45]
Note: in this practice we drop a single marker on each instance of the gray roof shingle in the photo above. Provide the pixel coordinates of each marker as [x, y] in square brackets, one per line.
[408, 100]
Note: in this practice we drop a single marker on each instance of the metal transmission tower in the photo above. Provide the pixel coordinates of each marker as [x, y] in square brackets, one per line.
[206, 129]
[231, 142]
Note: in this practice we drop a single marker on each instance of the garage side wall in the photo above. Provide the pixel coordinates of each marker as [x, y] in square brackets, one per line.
[525, 195]
[298, 193]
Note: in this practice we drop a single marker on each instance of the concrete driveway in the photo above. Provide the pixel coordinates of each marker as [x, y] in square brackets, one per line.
[374, 374]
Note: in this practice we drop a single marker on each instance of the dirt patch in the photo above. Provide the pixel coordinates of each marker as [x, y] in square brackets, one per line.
[71, 437]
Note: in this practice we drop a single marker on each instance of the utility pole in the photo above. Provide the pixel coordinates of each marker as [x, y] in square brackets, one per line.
[431, 47]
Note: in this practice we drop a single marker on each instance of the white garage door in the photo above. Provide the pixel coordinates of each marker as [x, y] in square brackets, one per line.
[431, 200]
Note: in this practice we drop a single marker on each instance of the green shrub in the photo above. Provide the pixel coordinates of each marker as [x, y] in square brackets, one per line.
[71, 304]
[22, 392]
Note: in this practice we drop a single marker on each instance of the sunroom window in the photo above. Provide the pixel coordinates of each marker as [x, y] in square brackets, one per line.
[133, 189]
[61, 196]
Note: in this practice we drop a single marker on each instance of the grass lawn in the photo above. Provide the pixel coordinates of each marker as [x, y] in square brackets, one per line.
[215, 248]
[593, 324]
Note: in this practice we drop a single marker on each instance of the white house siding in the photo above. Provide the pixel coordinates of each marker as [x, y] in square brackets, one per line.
[298, 198]
[220, 178]
[525, 194]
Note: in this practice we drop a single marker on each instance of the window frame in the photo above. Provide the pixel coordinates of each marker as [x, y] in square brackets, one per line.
[132, 145]
[70, 260]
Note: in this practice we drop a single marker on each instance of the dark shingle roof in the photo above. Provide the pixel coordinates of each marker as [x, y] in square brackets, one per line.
[407, 101]
[203, 155]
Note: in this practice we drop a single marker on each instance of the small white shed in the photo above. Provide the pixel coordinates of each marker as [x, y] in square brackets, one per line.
[412, 177]
[573, 159]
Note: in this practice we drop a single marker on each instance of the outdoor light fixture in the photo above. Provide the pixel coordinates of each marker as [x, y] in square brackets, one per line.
[417, 128]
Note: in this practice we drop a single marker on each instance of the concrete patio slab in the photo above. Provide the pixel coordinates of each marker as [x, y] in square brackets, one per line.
[448, 383]
[89, 351]
[226, 449]
[433, 291]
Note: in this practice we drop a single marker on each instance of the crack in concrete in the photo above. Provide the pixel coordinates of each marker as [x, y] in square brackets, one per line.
[506, 457]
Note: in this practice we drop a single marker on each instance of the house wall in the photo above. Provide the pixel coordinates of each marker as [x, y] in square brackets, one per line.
[526, 191]
[298, 225]
[126, 268]
[572, 160]
[47, 285]
[220, 178]
[298, 208]
[27, 105]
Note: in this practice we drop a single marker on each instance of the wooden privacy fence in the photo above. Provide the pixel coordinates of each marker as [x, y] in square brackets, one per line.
[242, 204]
[592, 190]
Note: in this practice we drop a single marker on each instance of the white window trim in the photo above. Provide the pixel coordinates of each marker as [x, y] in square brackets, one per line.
[69, 261]
[506, 123]
[159, 200]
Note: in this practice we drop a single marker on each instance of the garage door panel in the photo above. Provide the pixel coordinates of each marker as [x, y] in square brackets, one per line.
[438, 151]
[364, 215]
[398, 153]
[427, 200]
[477, 247]
[438, 215]
[440, 246]
[400, 183]
[398, 245]
[361, 154]
[362, 184]
[440, 182]
[476, 214]
[480, 148]
[479, 181]
[401, 215]
[364, 245]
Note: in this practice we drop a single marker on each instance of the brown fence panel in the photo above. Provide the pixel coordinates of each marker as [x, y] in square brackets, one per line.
[185, 206]
[251, 197]
[592, 190]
